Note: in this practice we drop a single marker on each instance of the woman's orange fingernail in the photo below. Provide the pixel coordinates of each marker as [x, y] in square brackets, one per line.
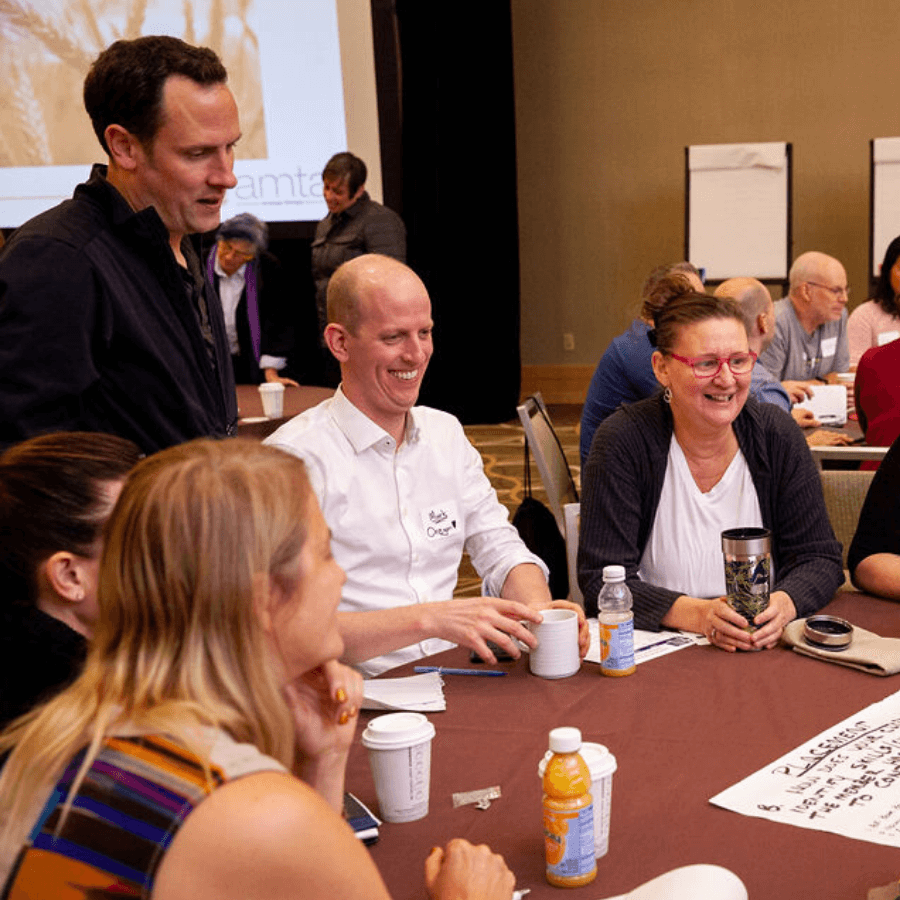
[341, 695]
[345, 718]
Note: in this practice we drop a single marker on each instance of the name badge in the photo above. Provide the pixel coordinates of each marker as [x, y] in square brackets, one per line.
[829, 347]
[441, 521]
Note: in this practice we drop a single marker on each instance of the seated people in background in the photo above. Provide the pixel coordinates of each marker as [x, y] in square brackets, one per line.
[874, 555]
[403, 490]
[877, 387]
[624, 373]
[212, 681]
[756, 306]
[259, 314]
[810, 343]
[107, 322]
[355, 225]
[877, 321]
[56, 492]
[666, 475]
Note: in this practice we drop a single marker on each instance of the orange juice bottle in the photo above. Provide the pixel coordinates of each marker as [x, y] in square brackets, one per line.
[568, 813]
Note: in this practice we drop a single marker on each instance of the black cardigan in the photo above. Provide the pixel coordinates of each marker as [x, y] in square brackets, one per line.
[623, 479]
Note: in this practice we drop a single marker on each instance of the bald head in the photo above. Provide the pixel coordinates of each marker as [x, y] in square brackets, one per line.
[757, 310]
[379, 330]
[750, 295]
[819, 291]
[816, 266]
[359, 278]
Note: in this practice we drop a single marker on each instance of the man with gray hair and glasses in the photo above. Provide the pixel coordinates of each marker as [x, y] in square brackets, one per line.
[755, 303]
[810, 344]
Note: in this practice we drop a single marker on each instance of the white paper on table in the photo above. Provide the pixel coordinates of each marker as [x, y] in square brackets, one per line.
[845, 780]
[828, 403]
[421, 693]
[705, 881]
[647, 644]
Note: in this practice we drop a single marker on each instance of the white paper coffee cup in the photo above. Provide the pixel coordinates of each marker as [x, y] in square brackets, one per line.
[556, 654]
[399, 746]
[602, 764]
[272, 395]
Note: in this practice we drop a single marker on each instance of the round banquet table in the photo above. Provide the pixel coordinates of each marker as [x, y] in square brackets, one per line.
[683, 728]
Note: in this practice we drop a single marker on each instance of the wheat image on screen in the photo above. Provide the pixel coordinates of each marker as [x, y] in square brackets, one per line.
[47, 47]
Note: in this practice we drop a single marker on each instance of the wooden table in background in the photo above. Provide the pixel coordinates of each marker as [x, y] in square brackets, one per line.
[296, 401]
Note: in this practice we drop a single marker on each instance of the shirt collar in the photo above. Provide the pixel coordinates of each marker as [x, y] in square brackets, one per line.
[361, 431]
[351, 212]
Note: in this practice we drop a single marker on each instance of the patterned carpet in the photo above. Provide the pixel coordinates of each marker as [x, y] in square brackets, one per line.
[502, 449]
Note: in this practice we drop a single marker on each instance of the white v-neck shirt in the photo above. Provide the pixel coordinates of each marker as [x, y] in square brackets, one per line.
[684, 550]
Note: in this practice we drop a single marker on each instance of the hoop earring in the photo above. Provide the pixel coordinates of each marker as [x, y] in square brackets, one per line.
[667, 395]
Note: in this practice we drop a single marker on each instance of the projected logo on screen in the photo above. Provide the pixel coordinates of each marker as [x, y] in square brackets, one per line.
[278, 188]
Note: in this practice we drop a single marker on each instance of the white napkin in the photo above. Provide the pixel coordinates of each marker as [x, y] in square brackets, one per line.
[420, 693]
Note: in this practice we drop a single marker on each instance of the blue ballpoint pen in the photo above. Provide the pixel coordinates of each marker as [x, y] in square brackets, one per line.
[443, 671]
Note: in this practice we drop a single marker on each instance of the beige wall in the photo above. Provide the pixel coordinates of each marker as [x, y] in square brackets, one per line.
[609, 93]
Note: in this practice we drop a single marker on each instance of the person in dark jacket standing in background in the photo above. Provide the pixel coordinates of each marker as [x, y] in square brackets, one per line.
[107, 322]
[355, 225]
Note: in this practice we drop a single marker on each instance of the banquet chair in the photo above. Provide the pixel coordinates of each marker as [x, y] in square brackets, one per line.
[845, 491]
[572, 520]
[547, 450]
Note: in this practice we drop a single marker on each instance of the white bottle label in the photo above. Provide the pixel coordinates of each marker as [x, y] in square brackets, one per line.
[617, 645]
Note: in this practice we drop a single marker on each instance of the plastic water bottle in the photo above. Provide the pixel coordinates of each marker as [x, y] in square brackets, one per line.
[616, 622]
[568, 813]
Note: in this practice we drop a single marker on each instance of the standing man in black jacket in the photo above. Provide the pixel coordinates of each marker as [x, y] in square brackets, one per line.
[106, 320]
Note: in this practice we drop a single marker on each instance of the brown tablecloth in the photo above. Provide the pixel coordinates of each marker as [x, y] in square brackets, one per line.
[296, 401]
[682, 728]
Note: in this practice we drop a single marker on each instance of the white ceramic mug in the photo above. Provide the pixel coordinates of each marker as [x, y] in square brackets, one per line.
[556, 655]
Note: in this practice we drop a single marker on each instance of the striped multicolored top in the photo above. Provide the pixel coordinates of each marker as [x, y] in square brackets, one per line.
[127, 811]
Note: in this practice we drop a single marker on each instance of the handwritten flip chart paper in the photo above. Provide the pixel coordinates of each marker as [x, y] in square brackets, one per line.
[845, 781]
[738, 209]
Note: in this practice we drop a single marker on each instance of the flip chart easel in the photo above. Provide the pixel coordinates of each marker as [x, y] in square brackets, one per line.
[884, 199]
[738, 210]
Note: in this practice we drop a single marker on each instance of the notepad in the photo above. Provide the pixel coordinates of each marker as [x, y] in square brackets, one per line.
[420, 693]
[828, 403]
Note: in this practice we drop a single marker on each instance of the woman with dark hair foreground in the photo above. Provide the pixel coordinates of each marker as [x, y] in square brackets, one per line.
[56, 493]
[201, 754]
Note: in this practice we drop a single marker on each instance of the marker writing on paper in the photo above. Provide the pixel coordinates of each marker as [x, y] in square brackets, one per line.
[442, 671]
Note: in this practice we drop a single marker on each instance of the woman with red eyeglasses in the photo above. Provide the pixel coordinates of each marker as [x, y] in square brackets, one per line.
[666, 475]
